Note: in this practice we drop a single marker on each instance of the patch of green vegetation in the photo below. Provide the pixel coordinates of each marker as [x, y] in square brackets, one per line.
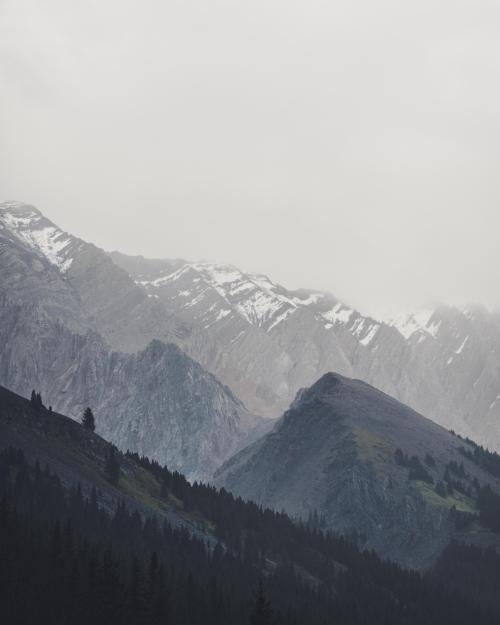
[142, 487]
[372, 448]
[461, 502]
[199, 520]
[70, 446]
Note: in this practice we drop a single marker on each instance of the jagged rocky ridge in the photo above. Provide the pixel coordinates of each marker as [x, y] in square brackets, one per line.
[270, 342]
[333, 456]
[157, 400]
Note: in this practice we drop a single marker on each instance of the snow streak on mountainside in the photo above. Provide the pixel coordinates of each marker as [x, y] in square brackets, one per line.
[254, 298]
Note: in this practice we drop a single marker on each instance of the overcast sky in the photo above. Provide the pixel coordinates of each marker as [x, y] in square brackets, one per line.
[349, 145]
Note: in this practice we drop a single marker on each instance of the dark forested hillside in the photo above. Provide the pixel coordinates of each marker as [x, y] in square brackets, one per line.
[145, 546]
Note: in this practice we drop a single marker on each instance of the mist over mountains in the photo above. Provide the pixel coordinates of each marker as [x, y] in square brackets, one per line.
[258, 338]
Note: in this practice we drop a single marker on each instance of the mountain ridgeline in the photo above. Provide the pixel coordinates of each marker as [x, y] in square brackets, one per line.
[267, 342]
[263, 341]
[82, 545]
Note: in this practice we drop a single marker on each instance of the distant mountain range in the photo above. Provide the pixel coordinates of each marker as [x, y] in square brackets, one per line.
[261, 340]
[267, 342]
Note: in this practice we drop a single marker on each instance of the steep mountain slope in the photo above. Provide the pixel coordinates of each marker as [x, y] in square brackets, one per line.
[270, 342]
[157, 401]
[78, 456]
[164, 405]
[335, 454]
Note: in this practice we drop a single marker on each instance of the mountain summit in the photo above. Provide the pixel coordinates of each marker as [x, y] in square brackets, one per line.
[29, 226]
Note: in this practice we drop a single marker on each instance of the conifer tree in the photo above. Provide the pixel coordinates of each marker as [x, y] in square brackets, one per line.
[262, 612]
[88, 420]
[112, 468]
[36, 400]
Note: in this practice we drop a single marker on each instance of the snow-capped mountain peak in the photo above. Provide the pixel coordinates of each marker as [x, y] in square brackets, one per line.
[29, 226]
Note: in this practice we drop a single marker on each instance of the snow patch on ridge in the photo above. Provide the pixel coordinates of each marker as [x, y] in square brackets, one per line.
[338, 314]
[313, 298]
[407, 324]
[220, 274]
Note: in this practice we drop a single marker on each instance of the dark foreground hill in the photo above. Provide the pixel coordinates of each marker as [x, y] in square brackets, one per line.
[89, 535]
[362, 463]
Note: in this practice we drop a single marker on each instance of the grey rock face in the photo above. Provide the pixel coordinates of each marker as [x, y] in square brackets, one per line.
[164, 405]
[333, 452]
[156, 401]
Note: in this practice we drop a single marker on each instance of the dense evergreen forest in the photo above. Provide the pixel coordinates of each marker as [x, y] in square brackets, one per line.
[67, 560]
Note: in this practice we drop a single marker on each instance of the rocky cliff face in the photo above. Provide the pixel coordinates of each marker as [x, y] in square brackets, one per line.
[156, 401]
[164, 405]
[333, 454]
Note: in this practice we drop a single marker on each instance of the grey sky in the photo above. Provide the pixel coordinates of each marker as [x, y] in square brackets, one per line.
[352, 146]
